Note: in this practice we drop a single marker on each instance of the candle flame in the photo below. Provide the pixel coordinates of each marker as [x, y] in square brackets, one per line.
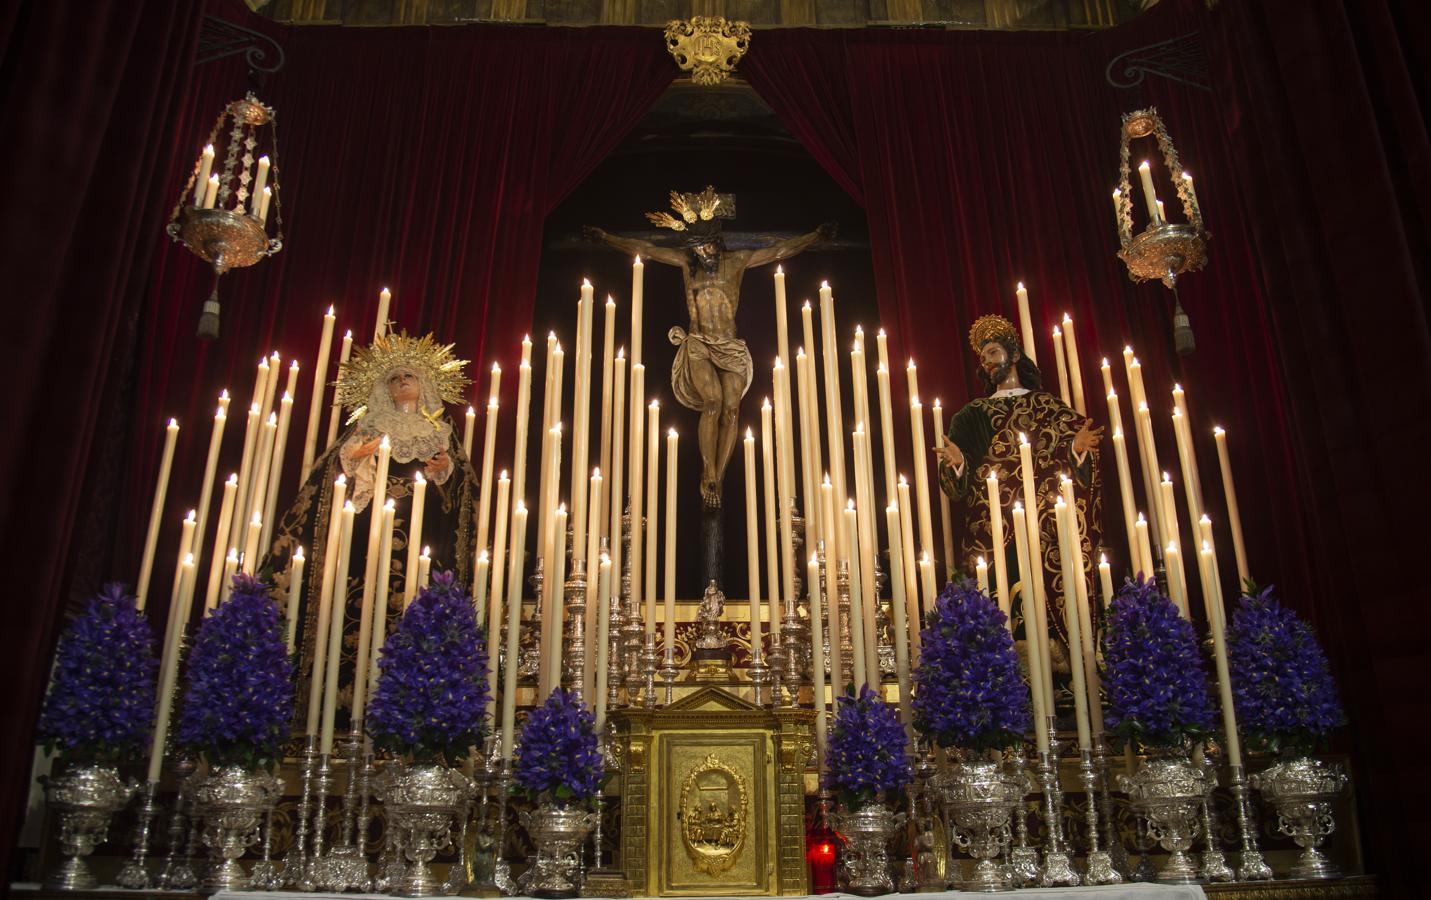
[1205, 518]
[298, 553]
[1217, 431]
[385, 444]
[924, 558]
[806, 307]
[826, 482]
[173, 423]
[502, 476]
[426, 551]
[779, 270]
[561, 509]
[1187, 176]
[778, 363]
[638, 259]
[1112, 392]
[936, 403]
[621, 353]
[390, 506]
[189, 559]
[1018, 506]
[209, 149]
[1023, 438]
[605, 558]
[191, 516]
[911, 364]
[655, 404]
[765, 404]
[347, 508]
[799, 353]
[902, 481]
[609, 301]
[1056, 332]
[1067, 319]
[1103, 559]
[1142, 520]
[233, 479]
[417, 477]
[1143, 166]
[850, 505]
[586, 283]
[749, 435]
[1206, 547]
[1166, 478]
[1020, 287]
[521, 507]
[273, 419]
[1118, 433]
[979, 561]
[482, 557]
[893, 507]
[1177, 413]
[672, 433]
[470, 412]
[824, 285]
[330, 311]
[341, 479]
[596, 472]
[814, 559]
[492, 405]
[1117, 193]
[348, 335]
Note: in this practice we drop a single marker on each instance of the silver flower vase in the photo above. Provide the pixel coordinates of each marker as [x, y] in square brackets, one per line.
[1301, 790]
[232, 801]
[423, 804]
[86, 798]
[981, 798]
[1167, 791]
[557, 831]
[867, 832]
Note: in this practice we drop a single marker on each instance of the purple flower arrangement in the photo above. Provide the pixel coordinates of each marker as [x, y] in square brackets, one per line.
[1282, 687]
[100, 707]
[865, 758]
[968, 690]
[240, 697]
[431, 700]
[1156, 682]
[557, 758]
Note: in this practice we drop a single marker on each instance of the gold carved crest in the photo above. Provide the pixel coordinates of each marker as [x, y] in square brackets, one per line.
[707, 46]
[714, 815]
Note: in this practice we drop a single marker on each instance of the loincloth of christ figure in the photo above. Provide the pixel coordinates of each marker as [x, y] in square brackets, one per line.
[713, 369]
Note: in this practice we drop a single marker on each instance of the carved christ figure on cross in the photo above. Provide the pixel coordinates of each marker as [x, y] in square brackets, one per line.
[713, 369]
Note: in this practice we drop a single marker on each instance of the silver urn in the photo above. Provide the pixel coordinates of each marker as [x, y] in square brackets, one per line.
[864, 865]
[980, 797]
[85, 798]
[423, 805]
[1167, 791]
[232, 801]
[557, 831]
[1301, 790]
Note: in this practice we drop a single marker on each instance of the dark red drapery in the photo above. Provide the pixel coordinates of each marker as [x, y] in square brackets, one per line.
[89, 93]
[422, 159]
[982, 159]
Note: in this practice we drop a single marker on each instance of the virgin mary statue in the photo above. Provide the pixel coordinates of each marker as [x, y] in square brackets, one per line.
[397, 388]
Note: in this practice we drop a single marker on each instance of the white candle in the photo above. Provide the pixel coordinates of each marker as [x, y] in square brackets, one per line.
[921, 472]
[1118, 210]
[886, 426]
[519, 446]
[295, 596]
[414, 537]
[1229, 492]
[784, 468]
[315, 403]
[1212, 598]
[638, 285]
[1027, 575]
[250, 547]
[480, 581]
[653, 512]
[1084, 610]
[996, 540]
[815, 463]
[603, 637]
[1105, 580]
[1026, 324]
[1107, 373]
[484, 493]
[424, 568]
[263, 461]
[638, 489]
[216, 561]
[897, 608]
[1075, 368]
[270, 386]
[335, 631]
[1035, 599]
[772, 545]
[1125, 481]
[380, 327]
[275, 467]
[186, 548]
[911, 571]
[981, 575]
[946, 515]
[1145, 174]
[260, 183]
[1162, 213]
[835, 415]
[468, 425]
[926, 578]
[344, 352]
[1076, 654]
[371, 575]
[1147, 451]
[1177, 584]
[168, 674]
[325, 606]
[865, 509]
[1186, 467]
[581, 436]
[672, 450]
[156, 511]
[554, 619]
[1145, 548]
[514, 622]
[206, 491]
[832, 610]
[264, 199]
[201, 181]
[861, 673]
[1060, 366]
[608, 424]
[617, 488]
[499, 583]
[590, 600]
[211, 191]
[380, 611]
[752, 555]
[231, 568]
[817, 658]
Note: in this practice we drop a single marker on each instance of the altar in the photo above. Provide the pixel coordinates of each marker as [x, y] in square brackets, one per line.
[713, 797]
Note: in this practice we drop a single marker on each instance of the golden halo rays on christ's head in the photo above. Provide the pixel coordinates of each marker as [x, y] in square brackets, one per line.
[989, 328]
[691, 208]
[433, 362]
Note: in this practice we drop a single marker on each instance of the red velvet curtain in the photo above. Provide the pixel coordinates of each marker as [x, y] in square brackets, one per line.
[89, 93]
[984, 159]
[421, 159]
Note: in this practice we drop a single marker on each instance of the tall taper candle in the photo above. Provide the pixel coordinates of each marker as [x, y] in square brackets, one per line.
[653, 510]
[1026, 324]
[752, 555]
[270, 385]
[638, 293]
[335, 629]
[816, 461]
[603, 637]
[251, 433]
[206, 167]
[1149, 195]
[296, 565]
[581, 432]
[168, 675]
[414, 537]
[1060, 366]
[315, 403]
[809, 437]
[1071, 617]
[382, 595]
[981, 574]
[206, 490]
[186, 548]
[911, 570]
[156, 512]
[216, 560]
[1087, 637]
[424, 568]
[832, 608]
[1229, 492]
[886, 425]
[616, 491]
[608, 425]
[996, 540]
[325, 605]
[275, 469]
[344, 352]
[590, 601]
[262, 463]
[499, 583]
[484, 494]
[921, 473]
[857, 617]
[514, 624]
[1187, 468]
[1036, 598]
[1177, 580]
[1125, 478]
[673, 446]
[784, 465]
[481, 579]
[250, 547]
[1212, 598]
[817, 659]
[371, 575]
[1075, 368]
[519, 448]
[865, 509]
[555, 618]
[897, 608]
[946, 515]
[772, 539]
[469, 423]
[1145, 549]
[834, 410]
[638, 489]
[380, 327]
[1027, 574]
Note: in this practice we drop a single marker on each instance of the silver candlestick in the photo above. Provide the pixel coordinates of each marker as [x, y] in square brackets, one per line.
[1057, 870]
[574, 654]
[649, 664]
[265, 875]
[135, 874]
[1214, 863]
[1023, 859]
[177, 874]
[316, 875]
[1100, 863]
[295, 864]
[346, 868]
[790, 640]
[1250, 864]
[1112, 840]
[669, 673]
